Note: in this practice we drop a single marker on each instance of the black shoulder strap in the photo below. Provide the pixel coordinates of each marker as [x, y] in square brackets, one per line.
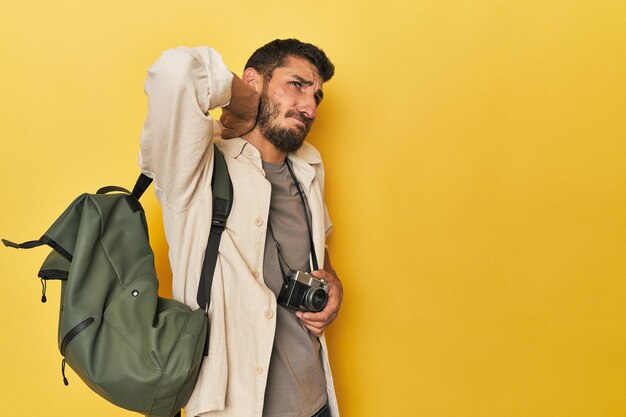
[141, 185]
[222, 202]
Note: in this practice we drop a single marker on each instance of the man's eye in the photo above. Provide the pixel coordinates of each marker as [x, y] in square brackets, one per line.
[296, 84]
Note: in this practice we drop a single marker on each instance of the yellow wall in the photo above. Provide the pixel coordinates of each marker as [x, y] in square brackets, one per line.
[476, 157]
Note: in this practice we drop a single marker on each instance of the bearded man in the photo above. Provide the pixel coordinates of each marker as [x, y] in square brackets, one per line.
[266, 358]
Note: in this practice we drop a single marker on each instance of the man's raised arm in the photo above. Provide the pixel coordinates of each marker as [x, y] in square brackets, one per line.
[182, 86]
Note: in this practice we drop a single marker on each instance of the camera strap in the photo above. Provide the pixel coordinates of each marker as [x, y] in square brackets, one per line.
[285, 269]
[281, 260]
[306, 214]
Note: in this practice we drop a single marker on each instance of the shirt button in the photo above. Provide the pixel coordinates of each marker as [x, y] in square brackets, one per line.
[269, 314]
[249, 152]
[258, 221]
[255, 274]
[258, 370]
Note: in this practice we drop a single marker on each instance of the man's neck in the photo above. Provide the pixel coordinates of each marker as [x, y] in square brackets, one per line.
[269, 152]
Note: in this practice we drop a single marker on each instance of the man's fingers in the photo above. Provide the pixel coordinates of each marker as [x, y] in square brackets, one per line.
[322, 274]
[234, 126]
[315, 332]
[323, 316]
[316, 317]
[315, 328]
[321, 323]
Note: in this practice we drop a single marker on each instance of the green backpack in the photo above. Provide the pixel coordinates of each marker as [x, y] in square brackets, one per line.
[134, 348]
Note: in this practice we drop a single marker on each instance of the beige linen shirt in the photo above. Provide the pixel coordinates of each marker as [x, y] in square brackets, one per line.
[177, 152]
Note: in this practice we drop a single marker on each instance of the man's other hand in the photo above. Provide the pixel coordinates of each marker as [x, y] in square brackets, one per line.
[239, 117]
[316, 323]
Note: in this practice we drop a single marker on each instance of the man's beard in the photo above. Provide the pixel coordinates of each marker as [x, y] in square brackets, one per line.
[284, 139]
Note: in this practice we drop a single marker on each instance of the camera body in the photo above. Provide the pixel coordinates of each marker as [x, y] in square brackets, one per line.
[303, 292]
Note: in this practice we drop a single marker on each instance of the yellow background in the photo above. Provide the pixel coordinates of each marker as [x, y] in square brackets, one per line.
[475, 154]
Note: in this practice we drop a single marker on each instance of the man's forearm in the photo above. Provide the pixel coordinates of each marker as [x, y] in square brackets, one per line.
[182, 84]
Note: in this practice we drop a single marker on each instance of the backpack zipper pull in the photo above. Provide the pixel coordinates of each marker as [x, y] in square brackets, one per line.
[43, 291]
[63, 373]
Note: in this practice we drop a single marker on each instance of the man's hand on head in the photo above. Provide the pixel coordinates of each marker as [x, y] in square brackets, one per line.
[316, 323]
[239, 117]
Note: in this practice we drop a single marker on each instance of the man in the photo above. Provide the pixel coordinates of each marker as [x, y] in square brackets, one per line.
[264, 359]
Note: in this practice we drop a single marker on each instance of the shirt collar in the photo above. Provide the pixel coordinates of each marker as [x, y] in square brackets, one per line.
[232, 148]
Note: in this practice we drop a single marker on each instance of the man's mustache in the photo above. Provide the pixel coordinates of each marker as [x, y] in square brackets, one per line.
[299, 116]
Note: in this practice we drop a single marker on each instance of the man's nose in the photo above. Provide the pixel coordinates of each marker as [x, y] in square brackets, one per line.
[308, 107]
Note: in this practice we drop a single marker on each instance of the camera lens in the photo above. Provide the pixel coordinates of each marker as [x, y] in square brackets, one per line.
[315, 299]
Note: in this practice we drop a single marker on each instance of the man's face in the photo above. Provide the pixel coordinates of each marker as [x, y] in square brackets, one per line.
[289, 103]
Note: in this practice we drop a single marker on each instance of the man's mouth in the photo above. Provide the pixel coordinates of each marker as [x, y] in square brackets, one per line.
[300, 121]
[305, 122]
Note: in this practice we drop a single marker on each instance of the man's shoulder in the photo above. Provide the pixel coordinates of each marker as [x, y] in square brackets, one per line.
[231, 148]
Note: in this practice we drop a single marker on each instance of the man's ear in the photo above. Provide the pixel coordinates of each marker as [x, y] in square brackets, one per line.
[253, 78]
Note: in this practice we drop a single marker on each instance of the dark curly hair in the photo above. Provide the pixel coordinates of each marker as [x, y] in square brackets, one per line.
[274, 54]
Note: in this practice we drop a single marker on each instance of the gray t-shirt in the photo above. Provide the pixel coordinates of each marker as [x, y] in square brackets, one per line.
[296, 386]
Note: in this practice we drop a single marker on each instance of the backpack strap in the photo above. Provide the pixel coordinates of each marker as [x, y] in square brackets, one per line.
[222, 202]
[143, 182]
[112, 188]
[26, 245]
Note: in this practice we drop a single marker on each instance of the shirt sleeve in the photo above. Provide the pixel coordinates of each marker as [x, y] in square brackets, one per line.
[182, 86]
[328, 224]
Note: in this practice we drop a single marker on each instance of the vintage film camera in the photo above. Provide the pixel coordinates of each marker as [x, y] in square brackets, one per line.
[303, 292]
